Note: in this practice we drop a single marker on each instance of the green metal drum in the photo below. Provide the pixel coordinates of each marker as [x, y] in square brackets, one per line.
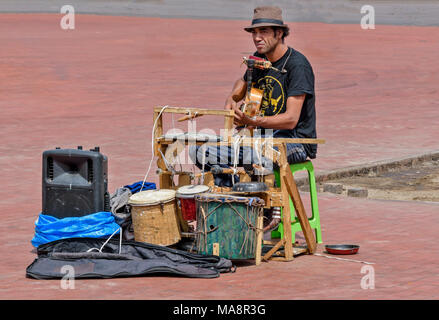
[227, 225]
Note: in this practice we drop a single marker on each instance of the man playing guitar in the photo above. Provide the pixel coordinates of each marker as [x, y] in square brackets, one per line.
[287, 108]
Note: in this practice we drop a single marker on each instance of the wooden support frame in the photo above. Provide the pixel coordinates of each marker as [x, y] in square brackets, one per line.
[160, 144]
[228, 115]
[288, 187]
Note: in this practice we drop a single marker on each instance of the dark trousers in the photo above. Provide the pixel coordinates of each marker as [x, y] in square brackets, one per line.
[224, 156]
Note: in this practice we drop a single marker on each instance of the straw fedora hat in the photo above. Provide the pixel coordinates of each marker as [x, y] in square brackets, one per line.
[266, 17]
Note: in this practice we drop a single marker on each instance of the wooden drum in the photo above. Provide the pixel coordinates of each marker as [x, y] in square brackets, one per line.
[154, 215]
[227, 225]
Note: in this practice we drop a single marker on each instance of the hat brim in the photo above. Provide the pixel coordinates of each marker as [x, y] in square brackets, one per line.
[265, 24]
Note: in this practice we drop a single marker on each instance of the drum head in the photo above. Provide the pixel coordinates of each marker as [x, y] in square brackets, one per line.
[192, 189]
[152, 197]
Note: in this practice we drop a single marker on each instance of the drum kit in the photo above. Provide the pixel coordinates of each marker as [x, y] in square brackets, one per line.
[226, 224]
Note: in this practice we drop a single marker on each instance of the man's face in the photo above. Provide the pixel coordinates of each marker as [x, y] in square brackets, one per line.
[265, 39]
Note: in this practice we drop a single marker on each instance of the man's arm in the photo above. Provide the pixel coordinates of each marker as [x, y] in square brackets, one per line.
[286, 120]
[237, 94]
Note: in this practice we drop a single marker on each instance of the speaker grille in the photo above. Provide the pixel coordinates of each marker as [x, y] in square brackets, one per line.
[90, 173]
[50, 168]
[69, 202]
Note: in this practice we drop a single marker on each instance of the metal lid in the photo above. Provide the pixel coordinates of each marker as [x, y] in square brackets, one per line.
[150, 197]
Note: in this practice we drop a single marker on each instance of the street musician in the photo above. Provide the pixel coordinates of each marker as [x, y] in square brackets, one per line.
[284, 80]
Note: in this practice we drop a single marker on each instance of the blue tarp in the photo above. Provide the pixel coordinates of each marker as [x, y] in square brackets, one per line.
[96, 225]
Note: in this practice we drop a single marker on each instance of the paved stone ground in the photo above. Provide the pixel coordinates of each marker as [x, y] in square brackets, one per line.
[405, 262]
[420, 183]
[96, 85]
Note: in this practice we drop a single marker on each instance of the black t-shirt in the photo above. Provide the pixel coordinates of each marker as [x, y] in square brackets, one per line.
[277, 86]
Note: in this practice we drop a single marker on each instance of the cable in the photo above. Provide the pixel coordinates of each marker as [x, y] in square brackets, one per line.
[102, 247]
[152, 145]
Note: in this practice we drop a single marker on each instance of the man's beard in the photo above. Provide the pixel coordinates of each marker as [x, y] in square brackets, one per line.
[270, 50]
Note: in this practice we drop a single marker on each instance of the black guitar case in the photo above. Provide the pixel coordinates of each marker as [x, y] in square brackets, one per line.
[130, 259]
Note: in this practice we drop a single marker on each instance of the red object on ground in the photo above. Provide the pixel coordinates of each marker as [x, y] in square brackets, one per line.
[342, 249]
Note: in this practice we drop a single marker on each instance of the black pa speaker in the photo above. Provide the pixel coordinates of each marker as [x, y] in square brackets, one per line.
[75, 182]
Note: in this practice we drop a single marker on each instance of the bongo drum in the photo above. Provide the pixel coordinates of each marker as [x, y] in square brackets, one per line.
[186, 197]
[226, 225]
[155, 217]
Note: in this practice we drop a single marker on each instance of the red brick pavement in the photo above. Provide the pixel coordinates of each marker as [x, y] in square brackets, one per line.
[396, 236]
[96, 85]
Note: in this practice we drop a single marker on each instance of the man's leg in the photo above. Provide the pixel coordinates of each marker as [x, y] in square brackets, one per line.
[210, 156]
[296, 153]
[224, 157]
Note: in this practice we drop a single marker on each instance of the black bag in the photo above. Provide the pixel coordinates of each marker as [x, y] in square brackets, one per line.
[102, 258]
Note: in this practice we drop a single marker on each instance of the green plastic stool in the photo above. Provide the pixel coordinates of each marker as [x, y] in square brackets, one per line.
[314, 221]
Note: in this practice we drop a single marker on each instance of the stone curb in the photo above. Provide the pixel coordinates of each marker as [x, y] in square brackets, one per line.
[373, 167]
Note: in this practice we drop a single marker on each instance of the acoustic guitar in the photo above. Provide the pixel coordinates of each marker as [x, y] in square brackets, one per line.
[251, 108]
[252, 102]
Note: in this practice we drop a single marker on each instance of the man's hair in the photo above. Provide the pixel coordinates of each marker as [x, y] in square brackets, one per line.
[286, 32]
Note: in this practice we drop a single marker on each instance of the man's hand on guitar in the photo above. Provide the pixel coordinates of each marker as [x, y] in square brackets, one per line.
[241, 119]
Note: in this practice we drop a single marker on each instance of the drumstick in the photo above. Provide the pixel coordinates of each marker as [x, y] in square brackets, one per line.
[219, 170]
[189, 116]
